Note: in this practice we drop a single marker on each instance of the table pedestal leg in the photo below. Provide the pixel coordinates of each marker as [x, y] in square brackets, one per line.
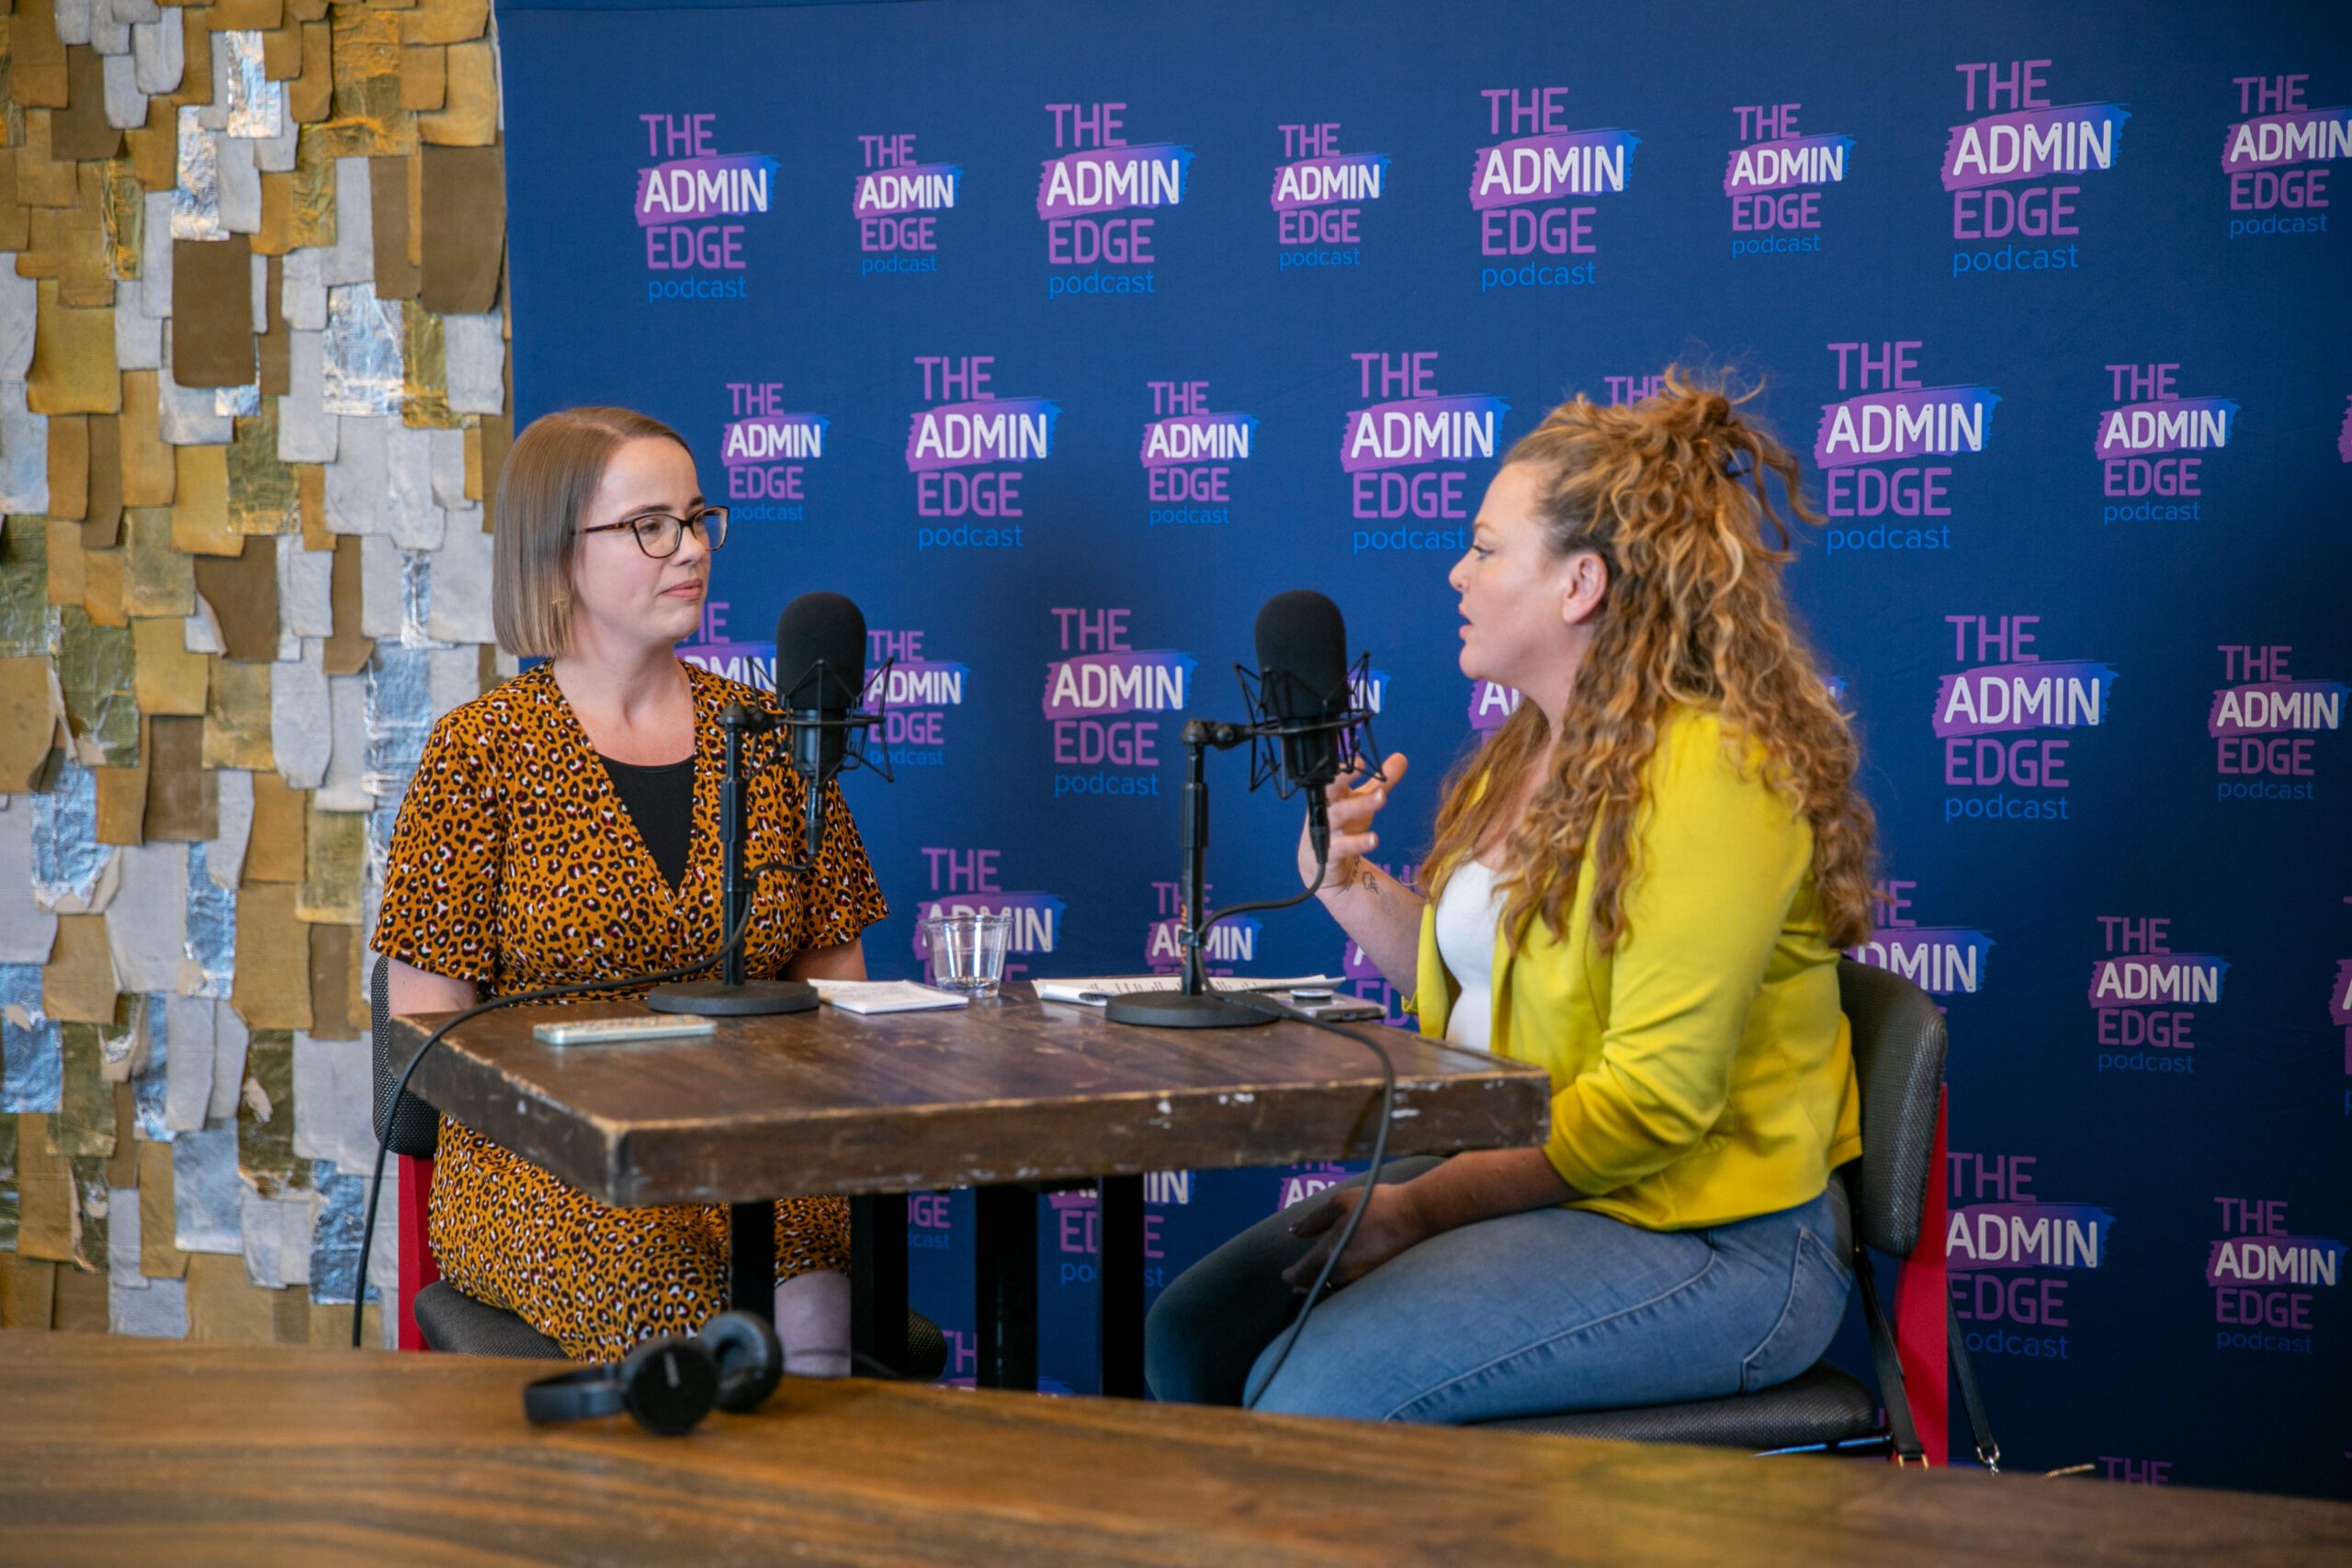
[750, 1255]
[1007, 1281]
[1119, 1271]
[878, 1281]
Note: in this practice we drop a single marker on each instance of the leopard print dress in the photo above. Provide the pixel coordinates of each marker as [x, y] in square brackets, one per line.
[515, 865]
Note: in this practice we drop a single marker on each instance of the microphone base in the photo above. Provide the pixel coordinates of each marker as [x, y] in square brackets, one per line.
[716, 998]
[1173, 1009]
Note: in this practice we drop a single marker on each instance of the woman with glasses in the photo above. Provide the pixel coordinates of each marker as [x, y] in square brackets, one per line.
[563, 828]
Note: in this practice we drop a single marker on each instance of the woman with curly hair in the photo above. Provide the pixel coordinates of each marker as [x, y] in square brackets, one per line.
[1640, 883]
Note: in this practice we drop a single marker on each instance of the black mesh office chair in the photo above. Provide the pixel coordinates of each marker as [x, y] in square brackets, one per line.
[1899, 1045]
[449, 1318]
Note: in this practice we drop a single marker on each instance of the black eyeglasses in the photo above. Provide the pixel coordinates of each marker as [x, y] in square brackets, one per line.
[658, 533]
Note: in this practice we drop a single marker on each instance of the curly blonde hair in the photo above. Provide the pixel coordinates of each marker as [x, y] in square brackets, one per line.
[1671, 493]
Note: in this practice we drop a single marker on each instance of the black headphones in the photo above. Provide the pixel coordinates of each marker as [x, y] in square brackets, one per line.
[668, 1385]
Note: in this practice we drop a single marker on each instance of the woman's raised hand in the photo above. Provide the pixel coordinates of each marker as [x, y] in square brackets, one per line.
[1354, 801]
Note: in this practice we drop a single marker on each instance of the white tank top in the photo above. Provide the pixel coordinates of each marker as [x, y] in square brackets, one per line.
[1466, 916]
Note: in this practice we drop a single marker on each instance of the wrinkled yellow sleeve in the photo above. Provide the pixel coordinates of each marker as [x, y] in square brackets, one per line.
[1717, 862]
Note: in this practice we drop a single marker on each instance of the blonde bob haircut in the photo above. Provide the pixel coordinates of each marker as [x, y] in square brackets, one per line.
[552, 472]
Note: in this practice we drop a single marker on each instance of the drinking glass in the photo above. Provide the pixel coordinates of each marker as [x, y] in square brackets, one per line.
[968, 951]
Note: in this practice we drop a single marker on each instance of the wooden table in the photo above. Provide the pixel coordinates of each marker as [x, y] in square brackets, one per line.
[124, 1450]
[998, 1096]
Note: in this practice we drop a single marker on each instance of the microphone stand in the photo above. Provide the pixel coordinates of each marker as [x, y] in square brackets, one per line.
[733, 995]
[1195, 1005]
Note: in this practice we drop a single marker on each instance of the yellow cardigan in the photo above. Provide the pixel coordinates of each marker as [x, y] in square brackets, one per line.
[1701, 1072]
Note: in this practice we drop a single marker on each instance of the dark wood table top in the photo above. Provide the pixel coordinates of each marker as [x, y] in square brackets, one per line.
[1008, 1090]
[126, 1451]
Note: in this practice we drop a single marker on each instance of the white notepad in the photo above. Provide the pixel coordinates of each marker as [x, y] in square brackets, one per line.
[1095, 991]
[885, 996]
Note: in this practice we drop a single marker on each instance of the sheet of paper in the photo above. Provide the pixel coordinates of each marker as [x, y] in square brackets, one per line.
[425, 371]
[222, 1305]
[26, 626]
[73, 369]
[272, 990]
[78, 983]
[212, 326]
[69, 467]
[349, 651]
[45, 1221]
[306, 588]
[225, 863]
[123, 800]
[277, 835]
[19, 297]
[395, 275]
[32, 721]
[183, 795]
[28, 931]
[263, 497]
[33, 1076]
[885, 996]
[333, 1102]
[138, 336]
[137, 1305]
[242, 591]
[211, 932]
[338, 996]
[364, 373]
[156, 53]
[335, 858]
[352, 257]
[231, 1043]
[307, 433]
[477, 352]
[410, 516]
[207, 1196]
[24, 447]
[237, 717]
[469, 115]
[95, 673]
[200, 501]
[276, 1233]
[462, 573]
[159, 1257]
[188, 1076]
[72, 872]
[302, 721]
[464, 197]
[1093, 991]
[85, 1122]
[240, 184]
[383, 577]
[360, 478]
[146, 933]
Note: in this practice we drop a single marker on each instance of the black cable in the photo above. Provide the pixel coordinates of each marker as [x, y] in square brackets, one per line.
[1259, 1003]
[547, 994]
[1262, 907]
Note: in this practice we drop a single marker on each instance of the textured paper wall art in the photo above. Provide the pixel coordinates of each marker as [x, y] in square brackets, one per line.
[239, 424]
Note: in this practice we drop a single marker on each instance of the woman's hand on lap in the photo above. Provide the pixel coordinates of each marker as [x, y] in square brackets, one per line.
[1392, 1222]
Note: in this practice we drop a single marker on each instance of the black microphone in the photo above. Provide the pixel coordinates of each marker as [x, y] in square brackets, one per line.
[1303, 681]
[820, 677]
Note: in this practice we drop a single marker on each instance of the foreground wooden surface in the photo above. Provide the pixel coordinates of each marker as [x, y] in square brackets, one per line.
[123, 1450]
[1003, 1091]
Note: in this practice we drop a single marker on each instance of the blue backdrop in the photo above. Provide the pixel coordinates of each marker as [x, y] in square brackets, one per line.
[1047, 331]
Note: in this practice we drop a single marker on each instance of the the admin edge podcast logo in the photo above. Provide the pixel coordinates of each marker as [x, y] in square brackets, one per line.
[693, 207]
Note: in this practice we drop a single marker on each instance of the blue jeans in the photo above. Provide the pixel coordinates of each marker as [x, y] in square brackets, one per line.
[1525, 1314]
